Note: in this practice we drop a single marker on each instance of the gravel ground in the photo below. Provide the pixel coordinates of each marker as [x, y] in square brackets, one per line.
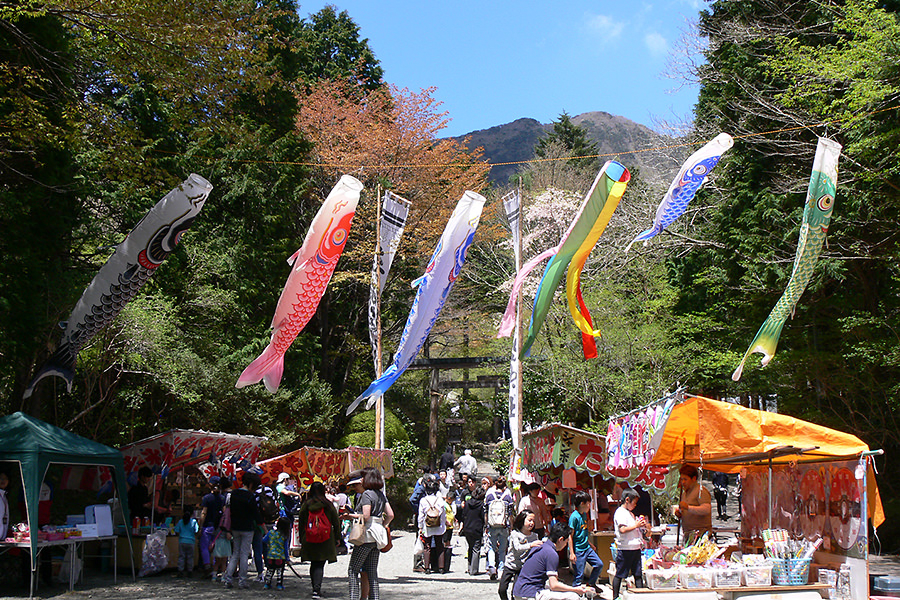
[397, 580]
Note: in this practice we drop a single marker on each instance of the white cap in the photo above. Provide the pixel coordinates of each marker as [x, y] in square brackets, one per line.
[283, 476]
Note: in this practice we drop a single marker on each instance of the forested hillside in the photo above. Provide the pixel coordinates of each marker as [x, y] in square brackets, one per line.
[102, 114]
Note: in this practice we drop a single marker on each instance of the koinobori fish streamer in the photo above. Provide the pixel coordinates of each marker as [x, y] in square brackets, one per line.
[311, 269]
[816, 217]
[131, 265]
[694, 172]
[569, 257]
[434, 287]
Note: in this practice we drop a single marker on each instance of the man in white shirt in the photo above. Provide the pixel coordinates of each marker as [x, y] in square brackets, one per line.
[466, 464]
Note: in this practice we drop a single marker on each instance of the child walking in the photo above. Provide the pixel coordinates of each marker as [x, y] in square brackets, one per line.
[629, 542]
[580, 551]
[276, 556]
[186, 530]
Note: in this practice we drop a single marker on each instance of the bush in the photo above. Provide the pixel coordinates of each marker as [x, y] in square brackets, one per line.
[360, 430]
[405, 457]
[502, 453]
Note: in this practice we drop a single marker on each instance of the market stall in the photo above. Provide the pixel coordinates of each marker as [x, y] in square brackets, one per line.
[309, 464]
[184, 459]
[35, 445]
[564, 459]
[807, 490]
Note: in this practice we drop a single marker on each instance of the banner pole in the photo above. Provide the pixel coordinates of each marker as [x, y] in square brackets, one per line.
[519, 378]
[379, 404]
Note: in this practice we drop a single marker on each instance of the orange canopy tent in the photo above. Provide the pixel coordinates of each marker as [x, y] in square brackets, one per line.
[724, 437]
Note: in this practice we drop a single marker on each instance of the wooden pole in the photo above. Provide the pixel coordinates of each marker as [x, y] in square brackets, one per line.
[519, 378]
[379, 403]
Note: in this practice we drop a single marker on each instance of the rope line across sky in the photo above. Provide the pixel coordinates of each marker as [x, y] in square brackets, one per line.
[353, 167]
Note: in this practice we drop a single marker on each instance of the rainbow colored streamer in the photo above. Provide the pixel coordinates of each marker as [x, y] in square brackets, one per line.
[569, 257]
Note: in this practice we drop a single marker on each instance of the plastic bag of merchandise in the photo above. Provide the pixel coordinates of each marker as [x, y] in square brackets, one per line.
[155, 556]
[71, 567]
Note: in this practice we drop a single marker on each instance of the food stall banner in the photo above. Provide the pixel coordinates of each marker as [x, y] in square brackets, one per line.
[306, 465]
[563, 446]
[725, 437]
[650, 477]
[633, 438]
[212, 453]
[360, 458]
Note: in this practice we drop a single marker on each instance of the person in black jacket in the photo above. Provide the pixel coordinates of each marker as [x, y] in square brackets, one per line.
[473, 526]
[245, 518]
[446, 461]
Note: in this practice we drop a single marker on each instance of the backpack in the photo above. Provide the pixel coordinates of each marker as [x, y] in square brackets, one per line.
[433, 516]
[496, 513]
[318, 527]
[268, 508]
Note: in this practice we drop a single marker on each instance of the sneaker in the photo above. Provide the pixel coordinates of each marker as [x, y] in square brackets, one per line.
[279, 587]
[229, 585]
[267, 587]
[244, 586]
[316, 595]
[259, 578]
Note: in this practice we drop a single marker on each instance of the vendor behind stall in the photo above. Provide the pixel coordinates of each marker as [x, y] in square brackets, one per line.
[695, 508]
[139, 501]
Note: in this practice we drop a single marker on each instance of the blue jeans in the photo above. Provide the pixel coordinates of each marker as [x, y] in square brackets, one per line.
[590, 557]
[206, 537]
[259, 553]
[498, 540]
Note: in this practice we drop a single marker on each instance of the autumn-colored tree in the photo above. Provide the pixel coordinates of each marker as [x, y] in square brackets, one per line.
[389, 137]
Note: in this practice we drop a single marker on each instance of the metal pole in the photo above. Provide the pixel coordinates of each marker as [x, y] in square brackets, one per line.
[770, 491]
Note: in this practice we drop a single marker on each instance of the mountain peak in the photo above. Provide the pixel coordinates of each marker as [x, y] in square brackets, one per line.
[515, 141]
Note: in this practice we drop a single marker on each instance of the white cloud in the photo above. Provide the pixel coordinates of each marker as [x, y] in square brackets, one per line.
[656, 43]
[605, 26]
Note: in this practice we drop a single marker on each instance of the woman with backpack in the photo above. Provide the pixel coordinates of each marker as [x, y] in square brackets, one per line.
[320, 532]
[432, 524]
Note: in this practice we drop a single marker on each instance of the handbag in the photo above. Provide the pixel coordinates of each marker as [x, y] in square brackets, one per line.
[357, 533]
[390, 541]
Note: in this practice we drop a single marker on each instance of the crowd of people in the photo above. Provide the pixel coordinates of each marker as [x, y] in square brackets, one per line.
[251, 523]
[527, 540]
[522, 536]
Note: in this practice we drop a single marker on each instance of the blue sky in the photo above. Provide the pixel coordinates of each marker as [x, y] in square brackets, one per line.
[494, 61]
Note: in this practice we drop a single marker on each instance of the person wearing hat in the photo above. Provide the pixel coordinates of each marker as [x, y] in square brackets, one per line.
[210, 515]
[286, 496]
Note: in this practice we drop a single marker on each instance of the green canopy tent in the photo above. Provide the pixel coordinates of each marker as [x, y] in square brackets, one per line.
[35, 444]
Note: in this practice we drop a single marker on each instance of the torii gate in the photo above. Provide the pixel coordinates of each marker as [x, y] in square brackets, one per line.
[437, 365]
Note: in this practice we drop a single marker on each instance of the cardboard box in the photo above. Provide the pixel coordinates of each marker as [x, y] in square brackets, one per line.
[101, 516]
[88, 530]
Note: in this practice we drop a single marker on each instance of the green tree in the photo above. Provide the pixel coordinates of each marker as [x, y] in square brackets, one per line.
[333, 50]
[769, 68]
[573, 140]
